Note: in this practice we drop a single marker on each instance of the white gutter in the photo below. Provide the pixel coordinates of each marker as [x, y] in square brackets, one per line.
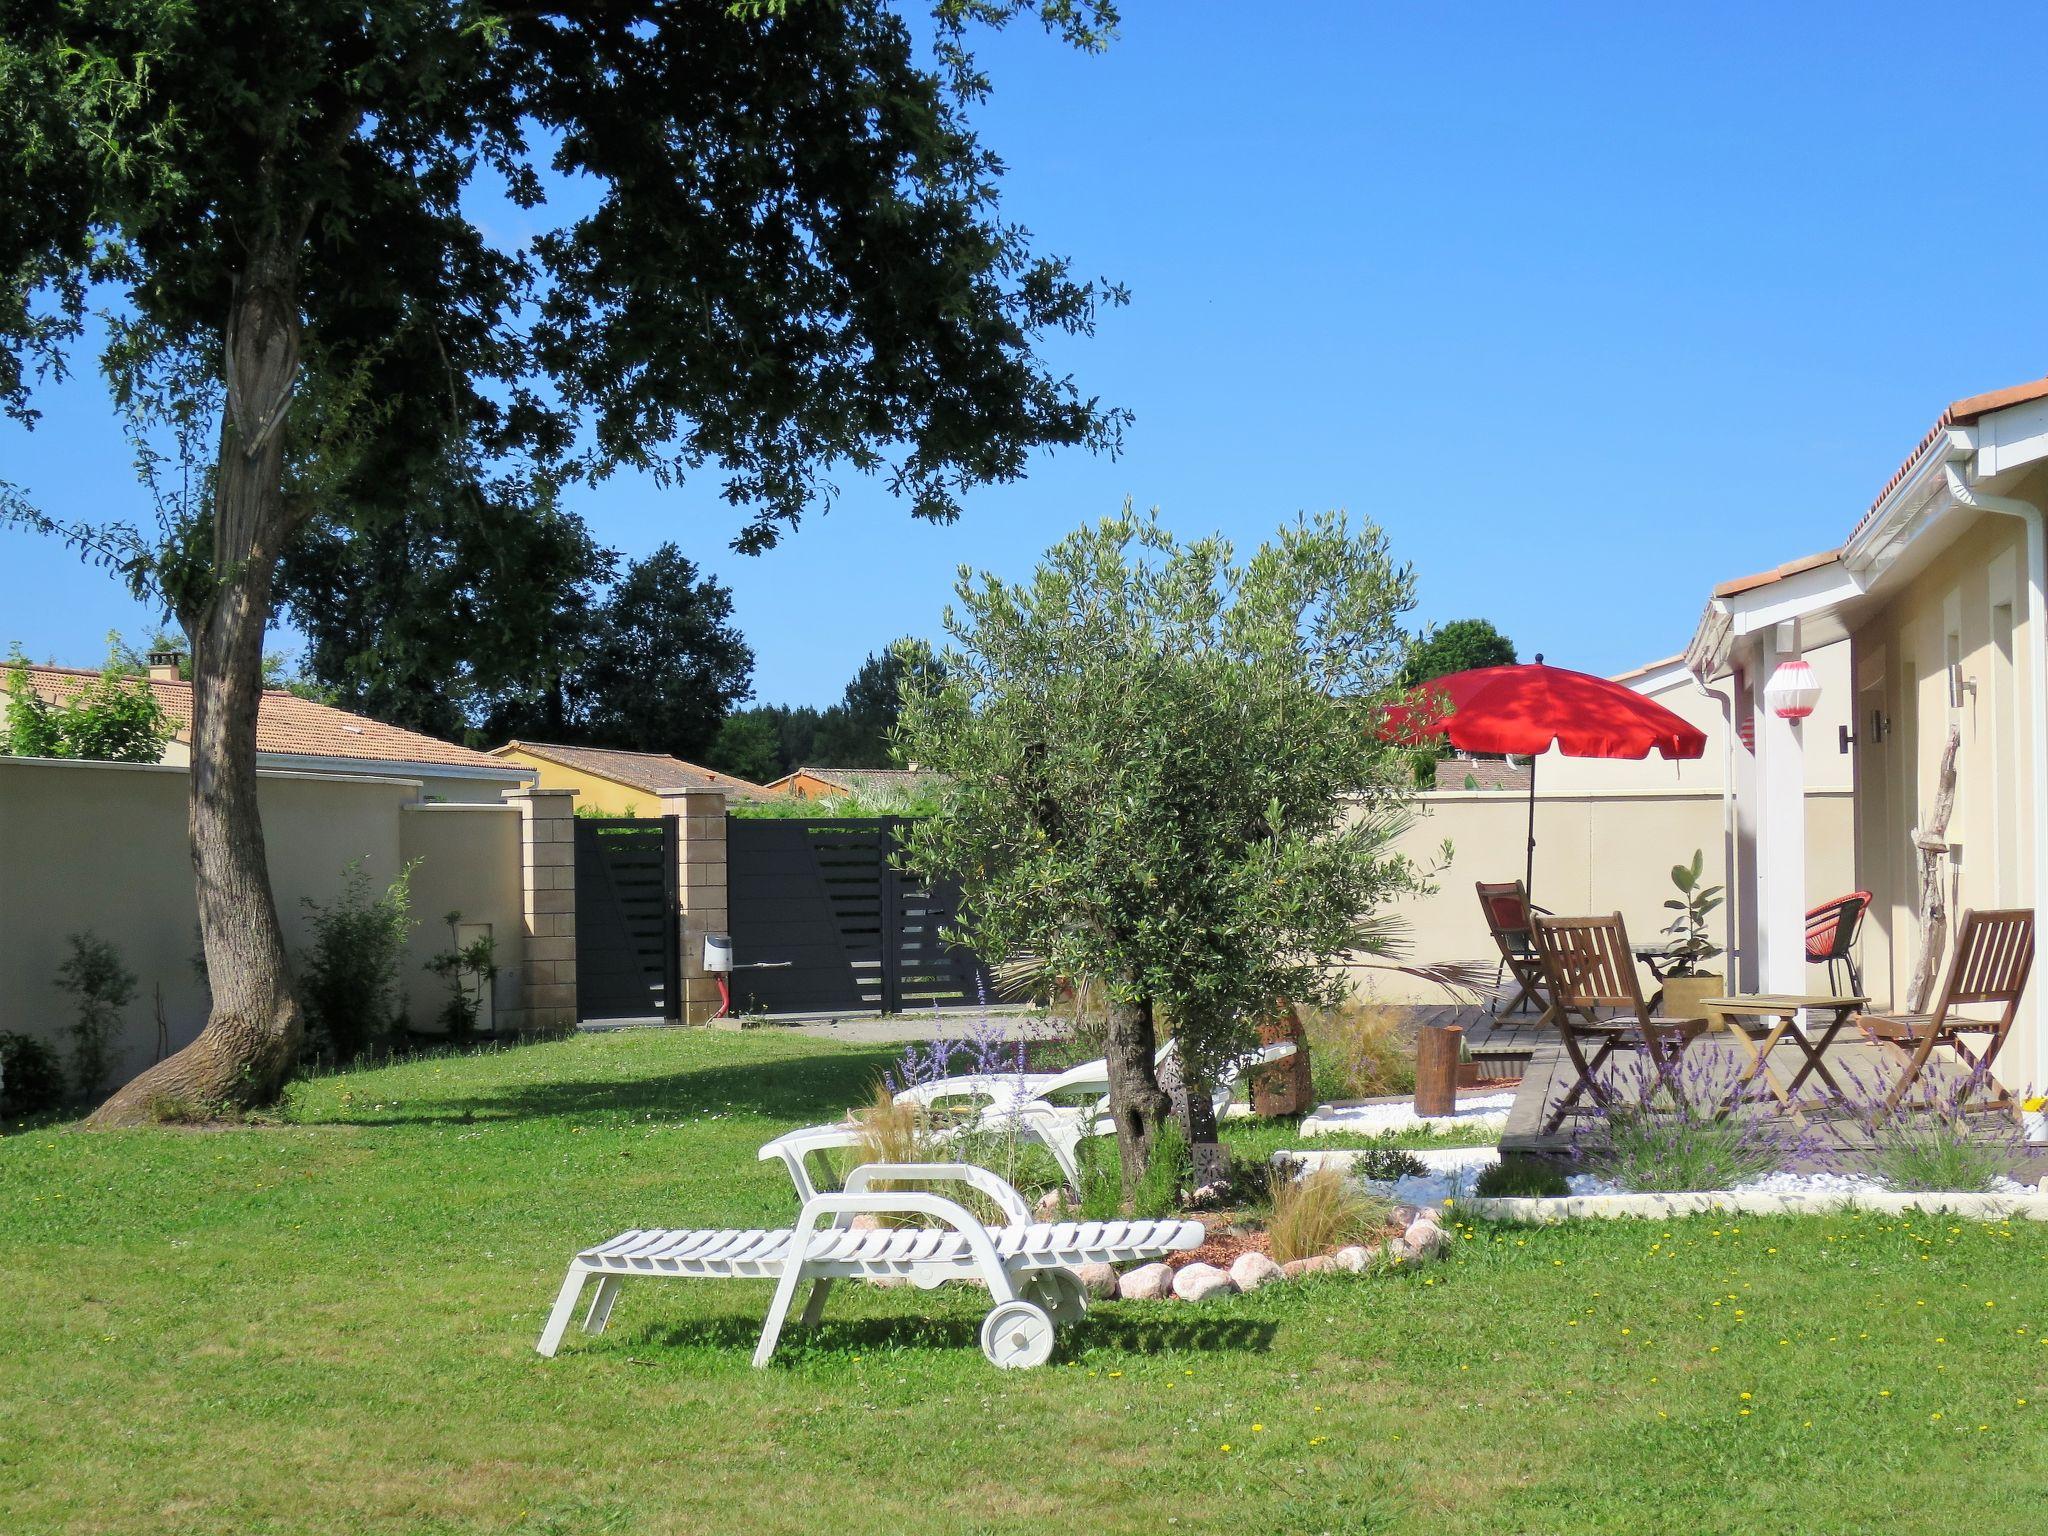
[315, 763]
[2037, 694]
[1728, 871]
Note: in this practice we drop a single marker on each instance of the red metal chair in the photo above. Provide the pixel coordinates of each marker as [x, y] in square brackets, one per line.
[1831, 930]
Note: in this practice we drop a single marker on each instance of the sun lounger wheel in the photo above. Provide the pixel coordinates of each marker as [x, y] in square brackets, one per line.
[1017, 1335]
[1059, 1293]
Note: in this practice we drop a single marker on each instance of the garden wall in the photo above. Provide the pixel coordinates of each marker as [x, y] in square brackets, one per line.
[102, 846]
[1610, 851]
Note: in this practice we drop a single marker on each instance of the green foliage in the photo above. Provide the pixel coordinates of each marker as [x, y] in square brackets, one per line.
[747, 746]
[449, 612]
[1387, 1164]
[1169, 1170]
[1102, 1187]
[792, 729]
[466, 969]
[798, 163]
[1458, 646]
[101, 986]
[1694, 904]
[1518, 1176]
[1163, 775]
[31, 1078]
[857, 731]
[653, 667]
[348, 976]
[110, 719]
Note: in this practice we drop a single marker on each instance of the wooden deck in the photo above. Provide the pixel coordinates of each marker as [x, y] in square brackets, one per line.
[1834, 1140]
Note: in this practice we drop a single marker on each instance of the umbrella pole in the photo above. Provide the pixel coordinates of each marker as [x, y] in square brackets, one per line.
[1529, 868]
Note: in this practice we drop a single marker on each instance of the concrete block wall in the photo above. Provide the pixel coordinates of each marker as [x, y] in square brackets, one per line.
[701, 889]
[547, 867]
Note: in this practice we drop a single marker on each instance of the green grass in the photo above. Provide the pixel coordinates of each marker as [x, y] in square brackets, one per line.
[327, 1326]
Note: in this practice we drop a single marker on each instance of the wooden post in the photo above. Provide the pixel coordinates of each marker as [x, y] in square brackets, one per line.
[1437, 1049]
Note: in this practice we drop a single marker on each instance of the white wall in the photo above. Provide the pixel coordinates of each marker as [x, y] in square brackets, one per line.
[102, 847]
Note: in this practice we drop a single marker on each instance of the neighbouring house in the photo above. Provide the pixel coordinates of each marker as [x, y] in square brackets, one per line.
[299, 735]
[832, 783]
[614, 783]
[1938, 592]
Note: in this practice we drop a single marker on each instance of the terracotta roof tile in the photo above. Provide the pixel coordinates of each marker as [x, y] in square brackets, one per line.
[289, 725]
[1959, 413]
[869, 780]
[651, 771]
[1777, 573]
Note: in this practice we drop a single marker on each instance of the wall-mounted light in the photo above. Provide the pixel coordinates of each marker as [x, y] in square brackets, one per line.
[1793, 690]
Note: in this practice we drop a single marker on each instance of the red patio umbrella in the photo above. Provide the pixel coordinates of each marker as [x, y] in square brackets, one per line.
[1529, 708]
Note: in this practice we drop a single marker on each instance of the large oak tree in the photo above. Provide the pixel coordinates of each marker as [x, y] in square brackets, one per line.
[767, 247]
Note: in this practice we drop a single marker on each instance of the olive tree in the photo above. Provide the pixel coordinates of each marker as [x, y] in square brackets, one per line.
[352, 258]
[1167, 781]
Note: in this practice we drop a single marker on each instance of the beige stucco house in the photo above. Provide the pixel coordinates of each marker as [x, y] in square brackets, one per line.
[1936, 592]
[610, 782]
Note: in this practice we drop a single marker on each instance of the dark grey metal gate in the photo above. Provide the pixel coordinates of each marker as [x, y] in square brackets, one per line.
[819, 900]
[626, 951]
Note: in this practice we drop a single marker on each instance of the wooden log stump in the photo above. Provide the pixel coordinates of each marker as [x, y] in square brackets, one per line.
[1437, 1049]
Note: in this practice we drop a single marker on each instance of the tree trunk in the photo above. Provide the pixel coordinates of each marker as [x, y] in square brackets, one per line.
[251, 1040]
[1137, 1104]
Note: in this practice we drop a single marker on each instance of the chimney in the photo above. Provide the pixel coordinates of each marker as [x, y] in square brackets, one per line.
[165, 666]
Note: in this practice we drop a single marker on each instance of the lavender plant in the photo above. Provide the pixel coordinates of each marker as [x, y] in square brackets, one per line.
[1689, 1130]
[1931, 1143]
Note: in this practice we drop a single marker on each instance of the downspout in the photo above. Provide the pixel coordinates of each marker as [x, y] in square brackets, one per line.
[2037, 695]
[1729, 927]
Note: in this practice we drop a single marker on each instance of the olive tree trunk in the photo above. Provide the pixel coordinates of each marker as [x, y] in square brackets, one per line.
[251, 1040]
[1137, 1104]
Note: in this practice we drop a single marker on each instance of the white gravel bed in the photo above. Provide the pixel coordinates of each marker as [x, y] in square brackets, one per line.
[1475, 1112]
[1452, 1173]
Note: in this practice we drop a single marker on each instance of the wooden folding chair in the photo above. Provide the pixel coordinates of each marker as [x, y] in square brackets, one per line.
[1993, 957]
[1589, 967]
[1507, 912]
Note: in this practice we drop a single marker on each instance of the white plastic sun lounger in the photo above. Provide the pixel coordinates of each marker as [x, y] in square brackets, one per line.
[1057, 1130]
[1060, 1128]
[1026, 1265]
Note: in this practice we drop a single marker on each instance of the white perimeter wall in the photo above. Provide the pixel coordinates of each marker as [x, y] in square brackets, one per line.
[102, 846]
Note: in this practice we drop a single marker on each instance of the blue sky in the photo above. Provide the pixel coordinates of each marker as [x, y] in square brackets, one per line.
[1591, 307]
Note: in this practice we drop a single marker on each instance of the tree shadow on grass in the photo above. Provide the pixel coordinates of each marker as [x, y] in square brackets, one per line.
[859, 1335]
[803, 1088]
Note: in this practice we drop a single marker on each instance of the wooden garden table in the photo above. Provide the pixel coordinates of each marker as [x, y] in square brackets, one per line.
[1764, 1020]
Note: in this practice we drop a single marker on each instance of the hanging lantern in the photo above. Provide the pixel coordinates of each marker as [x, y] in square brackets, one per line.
[1793, 690]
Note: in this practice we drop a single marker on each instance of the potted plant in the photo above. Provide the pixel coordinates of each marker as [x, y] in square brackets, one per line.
[1687, 981]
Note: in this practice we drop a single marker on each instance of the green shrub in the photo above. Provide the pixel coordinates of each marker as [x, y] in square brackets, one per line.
[1159, 1188]
[1102, 1180]
[1518, 1176]
[467, 969]
[1168, 1172]
[113, 719]
[1387, 1164]
[31, 1078]
[93, 974]
[348, 977]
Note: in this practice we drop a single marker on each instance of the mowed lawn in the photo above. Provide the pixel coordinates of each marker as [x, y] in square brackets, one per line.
[328, 1325]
